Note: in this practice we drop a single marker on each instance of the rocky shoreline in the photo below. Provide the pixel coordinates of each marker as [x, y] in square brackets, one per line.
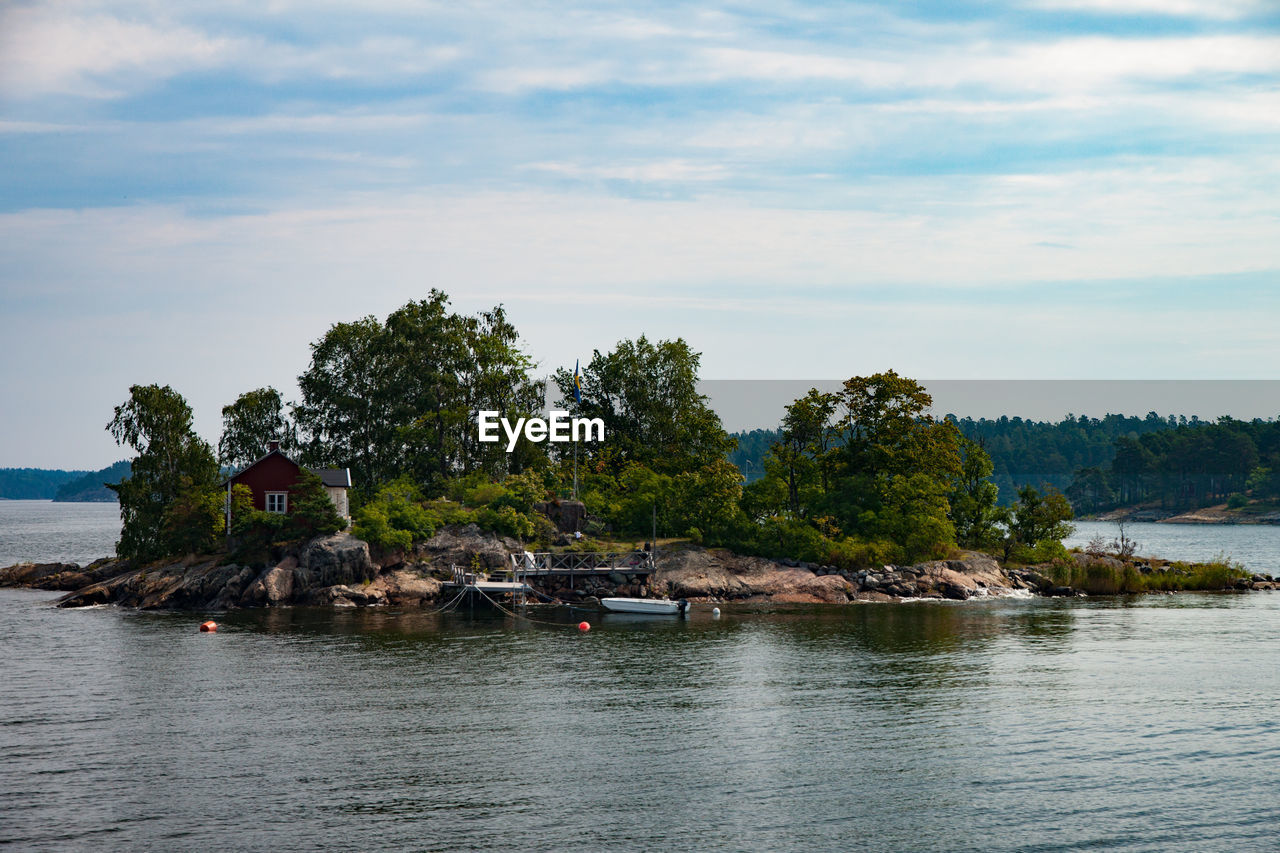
[341, 571]
[1219, 514]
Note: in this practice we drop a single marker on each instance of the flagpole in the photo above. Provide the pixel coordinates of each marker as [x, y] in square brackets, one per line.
[577, 398]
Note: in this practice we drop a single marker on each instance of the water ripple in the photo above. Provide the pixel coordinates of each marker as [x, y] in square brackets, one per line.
[1026, 725]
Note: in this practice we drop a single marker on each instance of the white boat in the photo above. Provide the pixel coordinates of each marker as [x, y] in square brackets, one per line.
[657, 606]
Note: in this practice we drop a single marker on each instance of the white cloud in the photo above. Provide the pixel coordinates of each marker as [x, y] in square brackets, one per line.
[1210, 9]
[1148, 219]
[45, 50]
[652, 171]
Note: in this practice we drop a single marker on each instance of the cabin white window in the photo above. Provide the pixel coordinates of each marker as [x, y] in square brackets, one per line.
[278, 502]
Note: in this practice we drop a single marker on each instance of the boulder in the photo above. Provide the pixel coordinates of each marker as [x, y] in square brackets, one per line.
[567, 516]
[1083, 559]
[333, 560]
[341, 595]
[466, 546]
[273, 587]
[406, 586]
[696, 572]
[60, 576]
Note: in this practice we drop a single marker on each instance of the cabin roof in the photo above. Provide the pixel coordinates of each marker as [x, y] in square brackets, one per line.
[334, 478]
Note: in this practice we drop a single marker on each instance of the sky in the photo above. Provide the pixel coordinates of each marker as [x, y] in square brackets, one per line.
[193, 193]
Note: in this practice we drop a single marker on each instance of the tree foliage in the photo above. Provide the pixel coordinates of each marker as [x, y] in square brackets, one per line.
[400, 397]
[646, 395]
[867, 475]
[256, 418]
[1037, 519]
[170, 479]
[896, 465]
[974, 499]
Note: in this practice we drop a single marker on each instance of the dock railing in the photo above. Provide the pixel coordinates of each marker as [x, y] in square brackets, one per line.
[581, 562]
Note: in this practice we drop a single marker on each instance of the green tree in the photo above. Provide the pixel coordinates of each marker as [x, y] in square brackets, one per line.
[442, 369]
[973, 499]
[706, 500]
[249, 424]
[895, 467]
[1090, 490]
[193, 522]
[1036, 520]
[344, 417]
[1263, 482]
[401, 397]
[172, 462]
[646, 395]
[803, 452]
[311, 512]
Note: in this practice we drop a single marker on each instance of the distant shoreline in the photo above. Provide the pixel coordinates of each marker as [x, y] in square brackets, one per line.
[64, 501]
[1217, 515]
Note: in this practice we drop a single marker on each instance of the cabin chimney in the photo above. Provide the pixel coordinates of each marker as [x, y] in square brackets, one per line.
[273, 446]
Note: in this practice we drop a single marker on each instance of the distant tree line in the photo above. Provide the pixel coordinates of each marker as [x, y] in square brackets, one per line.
[33, 484]
[1191, 464]
[93, 487]
[1044, 452]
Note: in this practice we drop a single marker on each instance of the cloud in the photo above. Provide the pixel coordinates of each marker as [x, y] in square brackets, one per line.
[1210, 9]
[661, 171]
[45, 51]
[786, 184]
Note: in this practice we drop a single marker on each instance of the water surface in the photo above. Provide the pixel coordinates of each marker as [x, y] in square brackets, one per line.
[1038, 725]
[1255, 546]
[48, 532]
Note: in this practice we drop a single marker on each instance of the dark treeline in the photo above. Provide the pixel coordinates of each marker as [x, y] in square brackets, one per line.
[748, 455]
[1109, 462]
[1042, 452]
[1023, 452]
[1190, 465]
[92, 487]
[33, 484]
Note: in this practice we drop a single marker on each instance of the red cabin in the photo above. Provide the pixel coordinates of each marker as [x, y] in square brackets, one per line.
[271, 477]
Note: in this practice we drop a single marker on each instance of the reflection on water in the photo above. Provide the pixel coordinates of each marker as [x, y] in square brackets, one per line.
[1006, 725]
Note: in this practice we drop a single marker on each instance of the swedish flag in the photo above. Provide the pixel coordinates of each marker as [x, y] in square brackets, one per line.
[577, 383]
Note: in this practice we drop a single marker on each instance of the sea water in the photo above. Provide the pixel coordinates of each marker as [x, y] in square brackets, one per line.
[1002, 725]
[1138, 724]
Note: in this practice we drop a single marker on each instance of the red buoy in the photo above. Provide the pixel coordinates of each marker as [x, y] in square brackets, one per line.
[208, 627]
[584, 626]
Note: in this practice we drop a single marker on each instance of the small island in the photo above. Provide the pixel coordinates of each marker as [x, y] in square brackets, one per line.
[862, 495]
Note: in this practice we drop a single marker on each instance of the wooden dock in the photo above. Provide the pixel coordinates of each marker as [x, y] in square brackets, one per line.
[463, 578]
[576, 563]
[543, 564]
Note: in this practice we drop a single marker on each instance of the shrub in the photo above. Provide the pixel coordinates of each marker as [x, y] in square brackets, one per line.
[848, 553]
[1105, 579]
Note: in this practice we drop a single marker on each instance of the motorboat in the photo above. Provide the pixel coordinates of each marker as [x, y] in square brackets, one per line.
[655, 606]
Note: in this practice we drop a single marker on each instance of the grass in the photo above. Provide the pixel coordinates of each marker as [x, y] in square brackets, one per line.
[1098, 578]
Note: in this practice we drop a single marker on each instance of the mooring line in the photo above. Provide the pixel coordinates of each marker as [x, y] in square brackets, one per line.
[521, 616]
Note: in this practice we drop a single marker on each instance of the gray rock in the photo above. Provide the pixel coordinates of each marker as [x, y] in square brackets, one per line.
[273, 587]
[333, 560]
